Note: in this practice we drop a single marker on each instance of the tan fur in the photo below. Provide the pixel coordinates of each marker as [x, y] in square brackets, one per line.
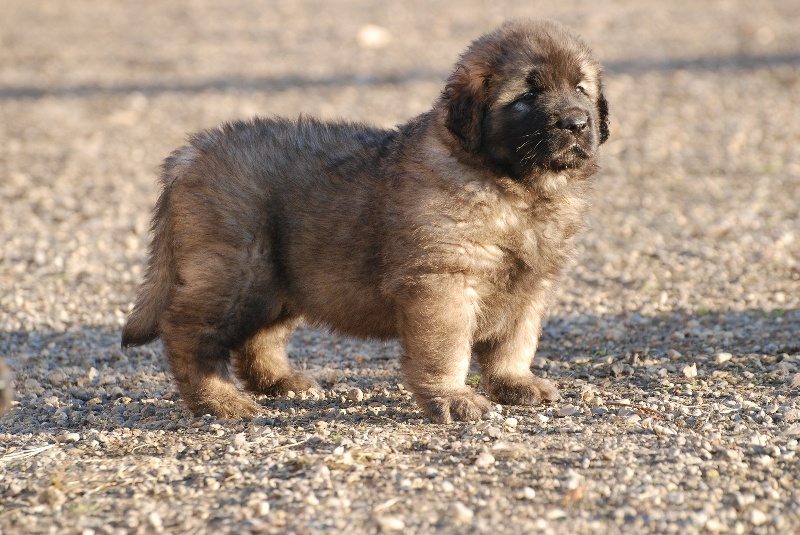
[449, 232]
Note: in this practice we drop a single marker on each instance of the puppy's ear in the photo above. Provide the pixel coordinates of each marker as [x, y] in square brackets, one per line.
[602, 109]
[465, 98]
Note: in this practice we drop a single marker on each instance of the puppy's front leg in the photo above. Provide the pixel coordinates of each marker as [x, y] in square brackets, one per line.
[505, 362]
[437, 321]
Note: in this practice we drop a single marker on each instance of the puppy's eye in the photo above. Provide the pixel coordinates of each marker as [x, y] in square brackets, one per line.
[580, 88]
[529, 95]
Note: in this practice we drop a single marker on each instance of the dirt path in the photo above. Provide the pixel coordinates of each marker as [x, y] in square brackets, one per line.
[675, 341]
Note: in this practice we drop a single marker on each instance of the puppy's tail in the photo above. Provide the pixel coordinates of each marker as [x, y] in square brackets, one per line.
[155, 294]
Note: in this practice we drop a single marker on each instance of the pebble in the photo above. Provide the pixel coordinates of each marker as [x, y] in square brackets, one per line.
[690, 371]
[511, 422]
[355, 394]
[757, 517]
[555, 514]
[68, 437]
[632, 419]
[484, 460]
[567, 410]
[723, 357]
[794, 381]
[262, 508]
[541, 419]
[526, 493]
[154, 519]
[742, 500]
[390, 523]
[58, 378]
[494, 432]
[460, 513]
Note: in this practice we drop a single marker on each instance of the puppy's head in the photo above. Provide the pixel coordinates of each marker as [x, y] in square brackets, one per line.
[528, 98]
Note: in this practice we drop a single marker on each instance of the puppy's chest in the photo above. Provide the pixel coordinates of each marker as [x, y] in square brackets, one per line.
[509, 242]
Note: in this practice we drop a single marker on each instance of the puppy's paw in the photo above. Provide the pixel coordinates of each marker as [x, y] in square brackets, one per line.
[295, 382]
[460, 405]
[229, 404]
[525, 390]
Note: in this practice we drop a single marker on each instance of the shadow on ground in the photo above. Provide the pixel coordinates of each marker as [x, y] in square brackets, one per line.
[277, 84]
[63, 373]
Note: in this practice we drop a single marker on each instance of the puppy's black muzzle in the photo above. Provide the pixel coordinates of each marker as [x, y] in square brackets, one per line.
[575, 121]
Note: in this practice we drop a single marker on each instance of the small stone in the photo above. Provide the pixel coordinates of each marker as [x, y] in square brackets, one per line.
[624, 412]
[32, 386]
[599, 411]
[461, 514]
[618, 368]
[690, 371]
[632, 419]
[526, 493]
[757, 517]
[567, 410]
[731, 454]
[57, 378]
[794, 381]
[555, 514]
[713, 525]
[484, 460]
[390, 523]
[448, 487]
[154, 519]
[723, 357]
[743, 500]
[662, 430]
[673, 354]
[541, 419]
[510, 422]
[239, 440]
[67, 437]
[262, 508]
[493, 432]
[355, 394]
[792, 431]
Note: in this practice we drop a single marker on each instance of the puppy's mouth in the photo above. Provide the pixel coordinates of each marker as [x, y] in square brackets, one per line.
[573, 155]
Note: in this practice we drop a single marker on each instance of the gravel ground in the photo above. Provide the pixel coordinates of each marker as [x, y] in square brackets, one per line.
[675, 340]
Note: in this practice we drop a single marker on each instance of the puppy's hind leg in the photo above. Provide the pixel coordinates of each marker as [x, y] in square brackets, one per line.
[261, 363]
[199, 360]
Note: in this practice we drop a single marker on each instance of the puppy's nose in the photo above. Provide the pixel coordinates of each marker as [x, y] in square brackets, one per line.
[574, 121]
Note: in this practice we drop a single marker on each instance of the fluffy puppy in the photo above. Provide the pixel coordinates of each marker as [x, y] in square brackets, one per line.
[448, 232]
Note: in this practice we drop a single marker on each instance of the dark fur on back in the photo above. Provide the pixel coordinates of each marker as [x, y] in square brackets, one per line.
[449, 232]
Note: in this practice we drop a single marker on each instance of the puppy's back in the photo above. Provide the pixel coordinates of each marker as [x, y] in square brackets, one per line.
[288, 189]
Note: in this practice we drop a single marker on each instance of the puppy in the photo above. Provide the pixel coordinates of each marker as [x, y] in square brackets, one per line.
[449, 232]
